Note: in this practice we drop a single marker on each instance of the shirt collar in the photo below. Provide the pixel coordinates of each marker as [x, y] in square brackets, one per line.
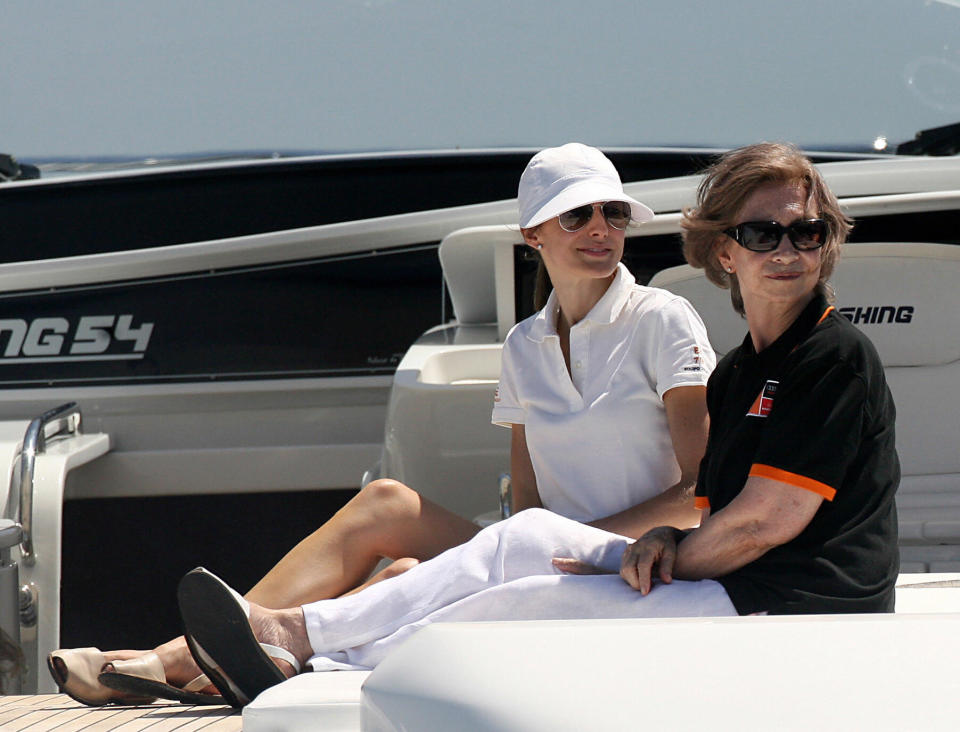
[799, 329]
[606, 310]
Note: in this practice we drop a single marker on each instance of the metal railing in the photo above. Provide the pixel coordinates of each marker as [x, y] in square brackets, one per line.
[34, 443]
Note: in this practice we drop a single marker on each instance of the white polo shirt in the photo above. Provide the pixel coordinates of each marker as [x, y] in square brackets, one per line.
[599, 442]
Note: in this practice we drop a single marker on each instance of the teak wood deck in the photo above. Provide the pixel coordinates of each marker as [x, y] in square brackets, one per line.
[41, 712]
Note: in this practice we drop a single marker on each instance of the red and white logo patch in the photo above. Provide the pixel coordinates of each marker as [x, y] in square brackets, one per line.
[764, 402]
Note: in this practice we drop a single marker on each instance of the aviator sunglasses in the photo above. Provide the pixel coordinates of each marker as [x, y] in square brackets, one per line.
[765, 236]
[616, 213]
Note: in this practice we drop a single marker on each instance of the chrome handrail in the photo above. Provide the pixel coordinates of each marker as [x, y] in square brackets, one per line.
[34, 443]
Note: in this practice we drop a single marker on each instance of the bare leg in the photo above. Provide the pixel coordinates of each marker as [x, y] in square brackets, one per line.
[385, 519]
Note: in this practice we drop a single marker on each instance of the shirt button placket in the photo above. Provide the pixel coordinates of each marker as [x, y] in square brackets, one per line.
[579, 348]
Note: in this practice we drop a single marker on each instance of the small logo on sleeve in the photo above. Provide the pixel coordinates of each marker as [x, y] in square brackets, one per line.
[764, 402]
[696, 361]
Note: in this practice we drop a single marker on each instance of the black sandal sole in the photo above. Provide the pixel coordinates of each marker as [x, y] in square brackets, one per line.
[218, 630]
[148, 687]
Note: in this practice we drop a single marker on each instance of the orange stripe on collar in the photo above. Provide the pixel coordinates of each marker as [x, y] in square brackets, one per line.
[800, 481]
[825, 314]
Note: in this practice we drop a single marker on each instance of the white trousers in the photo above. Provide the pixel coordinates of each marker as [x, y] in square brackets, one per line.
[504, 573]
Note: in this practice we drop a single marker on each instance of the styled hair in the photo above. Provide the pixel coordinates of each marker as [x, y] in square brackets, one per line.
[542, 284]
[725, 188]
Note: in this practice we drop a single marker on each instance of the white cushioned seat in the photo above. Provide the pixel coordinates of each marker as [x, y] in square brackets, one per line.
[328, 701]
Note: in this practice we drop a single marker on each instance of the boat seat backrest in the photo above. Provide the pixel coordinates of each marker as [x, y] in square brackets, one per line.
[469, 273]
[906, 298]
[468, 258]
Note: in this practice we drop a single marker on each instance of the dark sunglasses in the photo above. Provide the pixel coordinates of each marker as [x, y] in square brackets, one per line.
[765, 236]
[616, 213]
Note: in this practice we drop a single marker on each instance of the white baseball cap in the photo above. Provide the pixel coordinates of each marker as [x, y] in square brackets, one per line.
[562, 178]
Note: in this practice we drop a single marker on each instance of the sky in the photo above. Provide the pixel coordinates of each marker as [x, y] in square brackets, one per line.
[115, 78]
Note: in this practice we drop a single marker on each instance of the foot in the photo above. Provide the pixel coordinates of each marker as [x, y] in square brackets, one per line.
[235, 651]
[178, 665]
[285, 629]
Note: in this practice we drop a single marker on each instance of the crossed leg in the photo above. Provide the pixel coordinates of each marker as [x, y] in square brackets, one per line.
[386, 519]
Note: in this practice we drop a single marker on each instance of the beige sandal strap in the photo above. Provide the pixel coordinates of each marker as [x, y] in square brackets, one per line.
[148, 666]
[198, 684]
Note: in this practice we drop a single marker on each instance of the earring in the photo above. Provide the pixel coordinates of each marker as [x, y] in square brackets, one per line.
[539, 247]
[729, 270]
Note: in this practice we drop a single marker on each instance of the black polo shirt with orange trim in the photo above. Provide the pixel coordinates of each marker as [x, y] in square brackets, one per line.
[812, 410]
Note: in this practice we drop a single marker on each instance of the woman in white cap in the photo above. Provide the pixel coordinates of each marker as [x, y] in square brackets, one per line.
[603, 389]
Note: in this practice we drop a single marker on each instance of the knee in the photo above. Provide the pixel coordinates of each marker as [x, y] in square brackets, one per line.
[529, 521]
[385, 499]
[533, 516]
[399, 566]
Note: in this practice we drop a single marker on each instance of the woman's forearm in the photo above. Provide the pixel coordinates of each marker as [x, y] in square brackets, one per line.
[765, 514]
[673, 507]
[523, 479]
[715, 550]
[686, 411]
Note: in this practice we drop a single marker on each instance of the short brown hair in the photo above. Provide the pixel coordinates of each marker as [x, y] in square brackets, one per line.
[725, 188]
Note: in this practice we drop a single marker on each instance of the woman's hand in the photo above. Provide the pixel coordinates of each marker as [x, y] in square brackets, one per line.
[655, 551]
[766, 513]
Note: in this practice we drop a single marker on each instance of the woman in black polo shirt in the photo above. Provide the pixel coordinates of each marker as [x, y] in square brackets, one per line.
[798, 481]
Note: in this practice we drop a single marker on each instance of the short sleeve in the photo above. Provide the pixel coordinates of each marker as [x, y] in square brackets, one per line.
[814, 428]
[684, 356]
[507, 409]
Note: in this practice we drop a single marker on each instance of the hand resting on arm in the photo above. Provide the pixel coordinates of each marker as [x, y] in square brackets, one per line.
[766, 513]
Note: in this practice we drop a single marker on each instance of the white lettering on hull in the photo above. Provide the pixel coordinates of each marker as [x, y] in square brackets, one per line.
[95, 338]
